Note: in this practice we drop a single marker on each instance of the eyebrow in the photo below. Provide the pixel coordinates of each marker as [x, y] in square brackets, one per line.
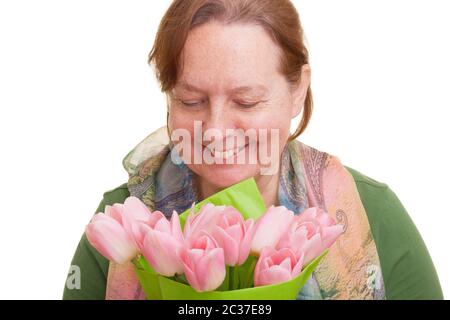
[242, 89]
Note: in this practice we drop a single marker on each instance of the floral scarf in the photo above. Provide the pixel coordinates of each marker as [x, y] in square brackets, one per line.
[308, 178]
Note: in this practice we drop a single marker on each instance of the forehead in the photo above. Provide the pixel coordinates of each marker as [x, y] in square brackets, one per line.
[256, 88]
[236, 55]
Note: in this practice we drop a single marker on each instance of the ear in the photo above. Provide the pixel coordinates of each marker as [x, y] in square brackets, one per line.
[299, 91]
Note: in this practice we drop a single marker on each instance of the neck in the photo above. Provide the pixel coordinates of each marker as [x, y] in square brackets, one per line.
[267, 185]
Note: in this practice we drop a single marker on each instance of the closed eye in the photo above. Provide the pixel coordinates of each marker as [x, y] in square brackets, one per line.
[247, 104]
[198, 103]
[191, 104]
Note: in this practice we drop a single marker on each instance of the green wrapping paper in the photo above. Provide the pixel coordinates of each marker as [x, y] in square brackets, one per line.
[246, 198]
[157, 287]
[243, 196]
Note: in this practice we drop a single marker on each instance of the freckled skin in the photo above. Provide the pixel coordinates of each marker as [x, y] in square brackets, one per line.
[218, 58]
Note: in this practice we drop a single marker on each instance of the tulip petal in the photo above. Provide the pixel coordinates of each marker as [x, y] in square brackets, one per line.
[195, 254]
[175, 227]
[163, 225]
[249, 232]
[235, 231]
[110, 239]
[271, 227]
[294, 239]
[139, 230]
[118, 207]
[313, 248]
[287, 264]
[298, 266]
[262, 262]
[273, 275]
[188, 222]
[162, 251]
[114, 212]
[136, 209]
[229, 244]
[330, 235]
[189, 270]
[211, 270]
[154, 217]
[205, 220]
[231, 217]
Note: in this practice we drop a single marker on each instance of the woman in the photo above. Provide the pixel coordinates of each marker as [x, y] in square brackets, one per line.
[239, 69]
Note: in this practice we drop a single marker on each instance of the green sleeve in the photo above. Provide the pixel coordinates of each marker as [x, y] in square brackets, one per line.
[92, 266]
[407, 268]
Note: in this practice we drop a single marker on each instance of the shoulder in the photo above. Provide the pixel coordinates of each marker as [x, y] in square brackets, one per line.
[407, 267]
[384, 209]
[363, 179]
[115, 195]
[379, 200]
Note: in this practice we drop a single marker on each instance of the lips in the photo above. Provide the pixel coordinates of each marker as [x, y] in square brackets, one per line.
[225, 154]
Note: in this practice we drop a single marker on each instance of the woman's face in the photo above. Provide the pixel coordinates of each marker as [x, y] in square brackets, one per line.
[231, 86]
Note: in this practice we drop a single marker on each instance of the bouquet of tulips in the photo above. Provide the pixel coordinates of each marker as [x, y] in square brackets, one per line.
[225, 247]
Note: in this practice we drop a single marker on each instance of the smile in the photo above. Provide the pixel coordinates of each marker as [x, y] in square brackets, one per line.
[225, 154]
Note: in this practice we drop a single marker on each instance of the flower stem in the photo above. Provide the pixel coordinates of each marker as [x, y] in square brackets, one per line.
[234, 282]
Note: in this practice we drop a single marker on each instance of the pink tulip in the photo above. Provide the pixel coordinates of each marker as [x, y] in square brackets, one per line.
[204, 263]
[270, 227]
[310, 234]
[234, 235]
[329, 230]
[135, 216]
[134, 210]
[276, 266]
[141, 228]
[163, 244]
[108, 235]
[203, 221]
[303, 238]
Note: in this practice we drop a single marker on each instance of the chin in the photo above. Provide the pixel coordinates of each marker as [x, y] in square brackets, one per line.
[223, 176]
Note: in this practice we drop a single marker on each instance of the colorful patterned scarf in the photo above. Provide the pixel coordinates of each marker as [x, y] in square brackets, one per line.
[308, 178]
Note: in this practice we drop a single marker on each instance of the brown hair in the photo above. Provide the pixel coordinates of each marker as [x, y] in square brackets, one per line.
[278, 17]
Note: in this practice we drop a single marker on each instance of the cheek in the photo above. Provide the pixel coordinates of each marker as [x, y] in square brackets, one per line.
[274, 122]
[177, 121]
[277, 118]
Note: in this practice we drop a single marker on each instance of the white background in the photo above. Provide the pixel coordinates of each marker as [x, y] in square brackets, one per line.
[76, 95]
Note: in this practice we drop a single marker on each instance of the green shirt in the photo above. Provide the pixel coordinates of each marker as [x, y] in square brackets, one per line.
[407, 268]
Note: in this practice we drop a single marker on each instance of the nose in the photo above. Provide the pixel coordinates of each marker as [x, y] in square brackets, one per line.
[219, 118]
